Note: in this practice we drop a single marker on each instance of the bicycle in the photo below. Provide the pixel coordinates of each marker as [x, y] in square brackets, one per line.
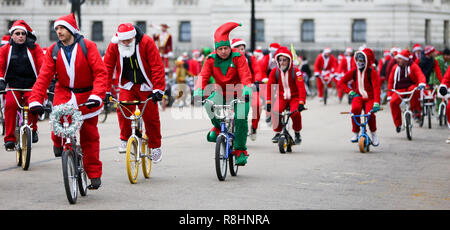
[2, 114]
[107, 107]
[74, 175]
[22, 132]
[406, 110]
[286, 141]
[442, 110]
[137, 147]
[364, 141]
[427, 102]
[326, 77]
[225, 140]
[48, 105]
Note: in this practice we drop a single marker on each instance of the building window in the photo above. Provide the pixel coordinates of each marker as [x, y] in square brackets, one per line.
[52, 33]
[359, 30]
[307, 30]
[185, 31]
[446, 33]
[259, 30]
[97, 31]
[142, 25]
[427, 31]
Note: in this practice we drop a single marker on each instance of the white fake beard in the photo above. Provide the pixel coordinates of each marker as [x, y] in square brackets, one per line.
[127, 51]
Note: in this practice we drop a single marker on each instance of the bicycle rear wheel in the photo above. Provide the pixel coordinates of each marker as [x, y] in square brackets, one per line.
[233, 166]
[26, 148]
[429, 108]
[70, 176]
[408, 126]
[441, 116]
[325, 94]
[282, 144]
[146, 160]
[132, 160]
[221, 159]
[104, 114]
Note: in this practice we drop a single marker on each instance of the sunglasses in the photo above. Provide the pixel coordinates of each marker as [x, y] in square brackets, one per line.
[20, 33]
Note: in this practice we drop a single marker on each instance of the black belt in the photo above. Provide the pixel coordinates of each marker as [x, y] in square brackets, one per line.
[80, 90]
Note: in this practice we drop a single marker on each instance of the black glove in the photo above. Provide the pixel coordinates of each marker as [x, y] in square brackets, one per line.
[37, 109]
[301, 107]
[247, 98]
[443, 91]
[93, 103]
[269, 107]
[257, 86]
[2, 85]
[157, 96]
[106, 100]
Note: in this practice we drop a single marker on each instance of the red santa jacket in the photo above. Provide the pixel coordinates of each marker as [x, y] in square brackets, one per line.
[35, 55]
[412, 76]
[255, 69]
[288, 86]
[164, 42]
[345, 64]
[322, 64]
[80, 73]
[237, 72]
[148, 58]
[368, 88]
[195, 66]
[446, 78]
[267, 64]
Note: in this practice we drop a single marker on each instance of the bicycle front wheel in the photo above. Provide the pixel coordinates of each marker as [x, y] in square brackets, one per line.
[103, 115]
[82, 176]
[282, 144]
[408, 126]
[325, 94]
[70, 176]
[132, 160]
[221, 158]
[429, 108]
[26, 148]
[146, 160]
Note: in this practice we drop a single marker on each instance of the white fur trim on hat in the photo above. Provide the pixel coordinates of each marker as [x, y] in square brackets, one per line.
[238, 43]
[126, 35]
[402, 57]
[67, 25]
[18, 27]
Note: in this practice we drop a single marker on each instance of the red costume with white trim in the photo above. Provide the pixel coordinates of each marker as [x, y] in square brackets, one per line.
[35, 58]
[446, 81]
[404, 79]
[291, 91]
[163, 41]
[88, 74]
[151, 66]
[322, 65]
[367, 87]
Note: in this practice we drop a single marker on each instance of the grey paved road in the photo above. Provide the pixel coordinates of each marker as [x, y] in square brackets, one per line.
[325, 172]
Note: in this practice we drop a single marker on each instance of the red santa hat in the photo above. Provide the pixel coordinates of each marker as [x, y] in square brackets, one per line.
[21, 24]
[404, 54]
[417, 47]
[69, 22]
[349, 50]
[221, 36]
[237, 42]
[258, 51]
[195, 51]
[429, 50]
[125, 31]
[327, 50]
[369, 54]
[5, 39]
[386, 53]
[274, 47]
[395, 50]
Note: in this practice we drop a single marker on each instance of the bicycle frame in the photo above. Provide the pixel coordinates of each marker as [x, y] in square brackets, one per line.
[23, 114]
[330, 78]
[406, 102]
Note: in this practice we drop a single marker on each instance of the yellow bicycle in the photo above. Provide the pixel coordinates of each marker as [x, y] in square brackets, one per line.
[138, 152]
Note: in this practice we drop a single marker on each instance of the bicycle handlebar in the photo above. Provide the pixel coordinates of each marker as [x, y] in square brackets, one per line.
[135, 102]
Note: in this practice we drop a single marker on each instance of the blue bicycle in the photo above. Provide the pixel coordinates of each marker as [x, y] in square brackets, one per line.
[364, 141]
[224, 142]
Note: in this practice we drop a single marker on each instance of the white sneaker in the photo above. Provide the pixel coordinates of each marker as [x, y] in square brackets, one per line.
[320, 99]
[156, 155]
[375, 141]
[123, 146]
[448, 140]
[355, 138]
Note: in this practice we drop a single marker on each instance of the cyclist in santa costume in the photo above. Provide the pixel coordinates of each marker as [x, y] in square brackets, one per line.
[365, 91]
[231, 73]
[325, 62]
[82, 77]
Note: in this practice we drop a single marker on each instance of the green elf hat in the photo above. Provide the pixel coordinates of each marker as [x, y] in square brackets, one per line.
[221, 36]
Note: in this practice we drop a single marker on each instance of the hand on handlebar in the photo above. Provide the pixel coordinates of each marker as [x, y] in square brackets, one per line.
[2, 85]
[443, 90]
[92, 103]
[301, 107]
[376, 107]
[37, 109]
[156, 96]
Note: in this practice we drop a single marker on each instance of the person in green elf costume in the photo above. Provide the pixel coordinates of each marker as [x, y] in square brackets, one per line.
[232, 78]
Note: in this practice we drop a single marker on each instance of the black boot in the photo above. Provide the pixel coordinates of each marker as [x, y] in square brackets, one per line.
[10, 146]
[398, 129]
[95, 184]
[57, 151]
[35, 137]
[298, 138]
[276, 137]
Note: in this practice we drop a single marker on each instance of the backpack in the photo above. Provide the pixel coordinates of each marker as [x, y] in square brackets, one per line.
[80, 42]
[277, 74]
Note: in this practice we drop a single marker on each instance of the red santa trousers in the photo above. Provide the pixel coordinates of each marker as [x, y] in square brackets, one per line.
[256, 108]
[11, 109]
[396, 101]
[150, 116]
[358, 104]
[90, 145]
[296, 118]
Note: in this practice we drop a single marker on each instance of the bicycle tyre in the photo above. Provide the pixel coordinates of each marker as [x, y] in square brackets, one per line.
[361, 144]
[26, 148]
[282, 144]
[422, 117]
[103, 115]
[408, 126]
[3, 126]
[325, 94]
[146, 160]
[441, 117]
[233, 167]
[429, 116]
[220, 158]
[132, 160]
[82, 176]
[69, 176]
